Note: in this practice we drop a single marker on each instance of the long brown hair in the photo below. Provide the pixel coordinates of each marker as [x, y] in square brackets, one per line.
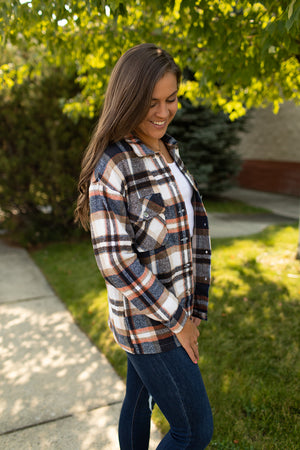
[127, 102]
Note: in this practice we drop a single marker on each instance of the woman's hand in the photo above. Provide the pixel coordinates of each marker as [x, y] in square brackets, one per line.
[196, 321]
[188, 338]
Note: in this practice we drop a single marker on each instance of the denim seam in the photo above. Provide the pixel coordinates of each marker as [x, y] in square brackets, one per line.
[179, 396]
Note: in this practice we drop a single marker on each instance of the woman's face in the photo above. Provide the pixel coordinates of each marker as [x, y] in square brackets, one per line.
[163, 108]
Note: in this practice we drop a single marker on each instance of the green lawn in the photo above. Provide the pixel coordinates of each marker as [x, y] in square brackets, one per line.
[230, 206]
[249, 346]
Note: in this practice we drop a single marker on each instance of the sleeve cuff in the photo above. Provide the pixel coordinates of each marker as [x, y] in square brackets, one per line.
[178, 320]
[200, 314]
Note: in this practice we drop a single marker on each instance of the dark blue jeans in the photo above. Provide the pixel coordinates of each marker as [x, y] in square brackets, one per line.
[174, 382]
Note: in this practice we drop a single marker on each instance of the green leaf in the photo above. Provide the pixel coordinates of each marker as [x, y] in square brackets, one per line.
[290, 8]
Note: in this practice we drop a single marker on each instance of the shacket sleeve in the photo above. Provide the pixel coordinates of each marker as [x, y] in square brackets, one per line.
[200, 306]
[112, 239]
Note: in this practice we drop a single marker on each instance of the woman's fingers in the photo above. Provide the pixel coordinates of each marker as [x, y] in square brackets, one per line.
[193, 352]
[196, 352]
[188, 338]
[196, 321]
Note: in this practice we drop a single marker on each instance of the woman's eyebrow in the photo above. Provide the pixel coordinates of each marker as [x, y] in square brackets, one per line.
[175, 92]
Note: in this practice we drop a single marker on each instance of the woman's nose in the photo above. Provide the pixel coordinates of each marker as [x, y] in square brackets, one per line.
[163, 111]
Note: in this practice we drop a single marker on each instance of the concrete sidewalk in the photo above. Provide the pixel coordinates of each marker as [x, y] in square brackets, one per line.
[56, 390]
[283, 209]
[279, 204]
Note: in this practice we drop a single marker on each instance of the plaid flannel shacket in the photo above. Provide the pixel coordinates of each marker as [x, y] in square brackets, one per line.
[156, 274]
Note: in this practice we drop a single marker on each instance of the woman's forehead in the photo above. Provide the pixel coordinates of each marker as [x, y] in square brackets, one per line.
[165, 87]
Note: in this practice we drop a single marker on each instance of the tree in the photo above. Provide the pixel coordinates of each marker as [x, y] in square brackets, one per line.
[243, 53]
[207, 139]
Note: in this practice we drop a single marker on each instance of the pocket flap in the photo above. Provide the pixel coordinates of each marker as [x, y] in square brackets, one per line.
[154, 202]
[146, 208]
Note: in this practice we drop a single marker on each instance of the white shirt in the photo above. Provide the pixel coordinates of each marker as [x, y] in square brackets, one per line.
[186, 191]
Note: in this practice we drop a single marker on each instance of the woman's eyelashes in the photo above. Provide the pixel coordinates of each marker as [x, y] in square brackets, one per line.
[171, 100]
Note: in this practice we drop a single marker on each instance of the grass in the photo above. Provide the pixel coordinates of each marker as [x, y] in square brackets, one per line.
[249, 346]
[230, 206]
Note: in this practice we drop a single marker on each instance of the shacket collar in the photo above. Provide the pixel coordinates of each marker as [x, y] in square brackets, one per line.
[141, 150]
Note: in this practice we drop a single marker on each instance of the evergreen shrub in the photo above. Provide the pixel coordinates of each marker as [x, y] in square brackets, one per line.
[207, 139]
[40, 156]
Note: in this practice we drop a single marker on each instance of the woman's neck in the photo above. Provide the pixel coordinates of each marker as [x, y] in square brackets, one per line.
[163, 150]
[157, 145]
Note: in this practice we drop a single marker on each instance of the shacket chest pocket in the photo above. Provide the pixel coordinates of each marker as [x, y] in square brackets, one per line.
[147, 216]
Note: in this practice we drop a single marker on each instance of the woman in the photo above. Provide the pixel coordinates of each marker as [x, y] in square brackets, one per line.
[150, 237]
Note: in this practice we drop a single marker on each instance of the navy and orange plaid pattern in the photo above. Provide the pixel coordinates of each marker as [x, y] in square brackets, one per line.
[157, 274]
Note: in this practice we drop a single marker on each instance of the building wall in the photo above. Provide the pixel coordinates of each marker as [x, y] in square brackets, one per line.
[270, 151]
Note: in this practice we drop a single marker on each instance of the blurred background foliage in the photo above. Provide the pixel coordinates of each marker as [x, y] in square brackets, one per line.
[55, 62]
[207, 139]
[243, 53]
[40, 157]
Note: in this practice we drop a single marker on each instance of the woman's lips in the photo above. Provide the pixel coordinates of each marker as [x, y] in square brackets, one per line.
[159, 124]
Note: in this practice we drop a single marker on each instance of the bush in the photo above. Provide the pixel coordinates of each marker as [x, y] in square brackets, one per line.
[206, 139]
[40, 154]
